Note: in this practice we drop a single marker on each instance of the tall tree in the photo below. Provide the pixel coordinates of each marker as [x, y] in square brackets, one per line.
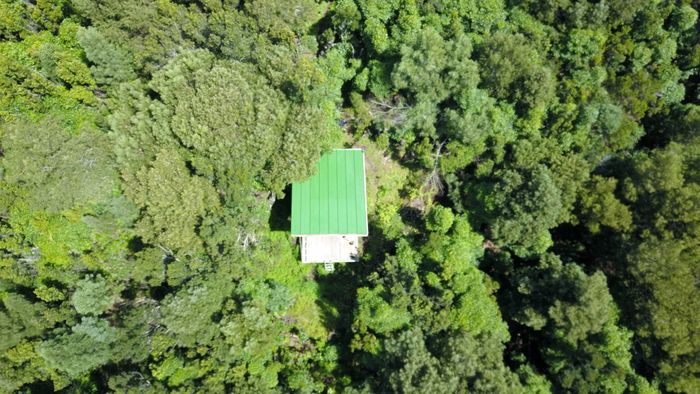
[174, 203]
[575, 322]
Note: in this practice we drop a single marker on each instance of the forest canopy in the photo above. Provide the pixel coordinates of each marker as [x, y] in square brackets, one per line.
[533, 181]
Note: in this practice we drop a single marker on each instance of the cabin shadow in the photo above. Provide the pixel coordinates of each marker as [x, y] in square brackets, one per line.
[337, 292]
[281, 212]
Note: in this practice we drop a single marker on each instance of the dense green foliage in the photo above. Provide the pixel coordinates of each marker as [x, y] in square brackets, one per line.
[533, 179]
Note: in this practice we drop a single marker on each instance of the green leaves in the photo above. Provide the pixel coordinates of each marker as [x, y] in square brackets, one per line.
[85, 347]
[418, 302]
[59, 239]
[419, 371]
[580, 341]
[143, 144]
[11, 19]
[173, 202]
[111, 64]
[20, 319]
[454, 362]
[94, 295]
[228, 118]
[511, 69]
[151, 33]
[433, 70]
[57, 169]
[44, 73]
[188, 313]
[525, 207]
[284, 21]
[602, 208]
[243, 130]
[377, 314]
[439, 219]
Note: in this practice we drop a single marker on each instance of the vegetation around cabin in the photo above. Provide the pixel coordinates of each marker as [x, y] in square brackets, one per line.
[533, 178]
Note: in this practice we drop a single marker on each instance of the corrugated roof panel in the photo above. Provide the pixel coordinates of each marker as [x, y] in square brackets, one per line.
[342, 191]
[360, 203]
[332, 201]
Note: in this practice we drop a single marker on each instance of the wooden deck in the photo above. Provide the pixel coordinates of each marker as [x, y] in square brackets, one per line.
[329, 248]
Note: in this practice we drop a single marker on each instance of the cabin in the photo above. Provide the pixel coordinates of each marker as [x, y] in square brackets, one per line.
[329, 210]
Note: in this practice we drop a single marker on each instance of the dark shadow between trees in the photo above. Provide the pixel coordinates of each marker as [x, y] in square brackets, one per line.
[281, 212]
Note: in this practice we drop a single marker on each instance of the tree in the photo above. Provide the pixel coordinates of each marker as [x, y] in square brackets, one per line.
[423, 306]
[601, 208]
[234, 128]
[57, 169]
[174, 202]
[94, 296]
[111, 64]
[437, 73]
[203, 100]
[512, 70]
[524, 208]
[440, 219]
[20, 319]
[419, 371]
[12, 16]
[188, 313]
[663, 273]
[456, 362]
[151, 33]
[575, 320]
[86, 346]
[145, 149]
[45, 73]
[662, 191]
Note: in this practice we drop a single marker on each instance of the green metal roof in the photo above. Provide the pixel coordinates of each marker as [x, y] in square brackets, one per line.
[334, 200]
